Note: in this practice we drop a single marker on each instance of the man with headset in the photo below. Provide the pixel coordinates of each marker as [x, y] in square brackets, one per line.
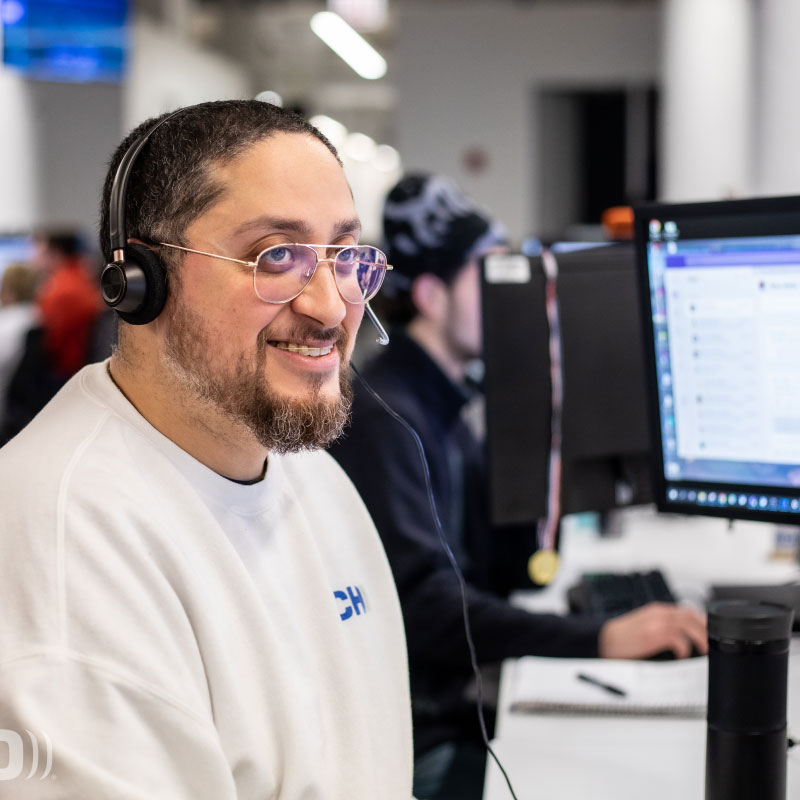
[195, 601]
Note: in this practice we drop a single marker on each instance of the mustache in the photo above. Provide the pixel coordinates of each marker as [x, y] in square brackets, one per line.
[305, 332]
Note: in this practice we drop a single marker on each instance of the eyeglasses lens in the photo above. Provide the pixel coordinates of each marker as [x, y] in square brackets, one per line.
[284, 271]
[359, 272]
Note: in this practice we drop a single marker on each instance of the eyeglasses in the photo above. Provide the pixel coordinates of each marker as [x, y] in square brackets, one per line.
[282, 271]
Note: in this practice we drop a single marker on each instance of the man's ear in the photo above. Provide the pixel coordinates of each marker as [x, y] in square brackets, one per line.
[429, 294]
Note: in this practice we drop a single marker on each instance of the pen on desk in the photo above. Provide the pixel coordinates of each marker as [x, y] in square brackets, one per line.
[582, 676]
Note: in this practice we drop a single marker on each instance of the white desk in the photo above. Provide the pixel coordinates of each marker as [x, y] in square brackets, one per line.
[629, 758]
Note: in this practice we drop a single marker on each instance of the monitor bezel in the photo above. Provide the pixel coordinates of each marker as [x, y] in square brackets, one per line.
[643, 213]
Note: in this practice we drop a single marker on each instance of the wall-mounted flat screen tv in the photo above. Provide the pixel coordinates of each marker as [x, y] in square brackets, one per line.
[66, 40]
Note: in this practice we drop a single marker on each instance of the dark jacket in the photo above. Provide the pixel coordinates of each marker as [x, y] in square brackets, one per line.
[382, 460]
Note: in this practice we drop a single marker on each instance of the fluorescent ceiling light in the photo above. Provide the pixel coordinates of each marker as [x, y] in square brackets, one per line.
[360, 147]
[270, 96]
[348, 45]
[331, 128]
[387, 159]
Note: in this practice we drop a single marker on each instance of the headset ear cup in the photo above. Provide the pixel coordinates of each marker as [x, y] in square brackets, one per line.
[155, 277]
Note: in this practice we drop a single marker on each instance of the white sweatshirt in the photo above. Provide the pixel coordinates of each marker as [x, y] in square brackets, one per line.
[168, 633]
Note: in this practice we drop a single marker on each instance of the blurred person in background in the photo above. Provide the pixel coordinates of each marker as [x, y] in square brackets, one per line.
[63, 340]
[17, 316]
[69, 300]
[434, 236]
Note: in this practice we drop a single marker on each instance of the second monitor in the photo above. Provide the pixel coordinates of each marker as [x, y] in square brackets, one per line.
[569, 316]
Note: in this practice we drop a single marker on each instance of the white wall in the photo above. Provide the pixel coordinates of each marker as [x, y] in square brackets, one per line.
[54, 141]
[76, 126]
[466, 73]
[168, 71]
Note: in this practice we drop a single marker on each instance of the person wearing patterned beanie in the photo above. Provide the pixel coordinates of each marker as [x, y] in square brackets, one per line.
[434, 237]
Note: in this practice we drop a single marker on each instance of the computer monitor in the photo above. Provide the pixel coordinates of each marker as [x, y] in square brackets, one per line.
[66, 40]
[720, 287]
[604, 437]
[518, 388]
[605, 450]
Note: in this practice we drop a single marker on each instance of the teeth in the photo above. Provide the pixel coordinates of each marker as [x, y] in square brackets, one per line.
[303, 350]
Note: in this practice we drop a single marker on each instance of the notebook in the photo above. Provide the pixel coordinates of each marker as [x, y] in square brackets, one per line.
[587, 686]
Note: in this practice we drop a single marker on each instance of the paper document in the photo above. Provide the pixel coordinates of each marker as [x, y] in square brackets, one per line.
[609, 686]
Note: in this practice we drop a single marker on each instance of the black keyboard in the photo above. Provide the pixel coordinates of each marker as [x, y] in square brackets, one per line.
[613, 593]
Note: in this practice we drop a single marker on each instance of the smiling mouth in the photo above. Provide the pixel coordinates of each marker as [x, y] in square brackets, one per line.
[304, 350]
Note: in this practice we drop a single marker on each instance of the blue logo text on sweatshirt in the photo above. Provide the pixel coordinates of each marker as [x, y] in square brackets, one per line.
[353, 602]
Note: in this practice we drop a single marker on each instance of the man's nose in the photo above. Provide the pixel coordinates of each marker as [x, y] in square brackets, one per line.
[321, 300]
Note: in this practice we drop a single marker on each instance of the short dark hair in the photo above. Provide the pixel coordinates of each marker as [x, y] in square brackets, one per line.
[171, 183]
[398, 309]
[395, 303]
[66, 242]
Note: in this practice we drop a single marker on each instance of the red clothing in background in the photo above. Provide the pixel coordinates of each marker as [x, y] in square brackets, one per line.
[69, 302]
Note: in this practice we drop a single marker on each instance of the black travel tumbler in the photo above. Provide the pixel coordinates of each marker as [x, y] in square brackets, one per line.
[748, 664]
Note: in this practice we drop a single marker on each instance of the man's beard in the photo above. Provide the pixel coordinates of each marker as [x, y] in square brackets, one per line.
[243, 395]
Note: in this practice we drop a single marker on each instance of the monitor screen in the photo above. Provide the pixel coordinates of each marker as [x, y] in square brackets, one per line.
[570, 315]
[66, 40]
[721, 293]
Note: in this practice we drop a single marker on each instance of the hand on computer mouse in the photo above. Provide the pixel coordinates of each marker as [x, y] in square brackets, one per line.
[653, 629]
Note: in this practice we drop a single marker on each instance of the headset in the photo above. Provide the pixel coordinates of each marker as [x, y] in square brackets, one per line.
[134, 284]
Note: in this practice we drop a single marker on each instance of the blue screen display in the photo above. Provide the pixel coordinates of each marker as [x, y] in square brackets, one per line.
[66, 40]
[723, 299]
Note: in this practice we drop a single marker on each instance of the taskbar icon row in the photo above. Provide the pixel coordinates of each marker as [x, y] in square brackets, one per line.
[731, 499]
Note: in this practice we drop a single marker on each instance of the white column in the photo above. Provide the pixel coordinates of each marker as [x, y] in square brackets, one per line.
[707, 110]
[19, 172]
[778, 162]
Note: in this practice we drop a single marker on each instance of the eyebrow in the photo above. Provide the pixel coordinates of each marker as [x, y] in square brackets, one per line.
[297, 227]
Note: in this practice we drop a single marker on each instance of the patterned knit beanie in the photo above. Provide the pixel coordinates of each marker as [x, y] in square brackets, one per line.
[430, 225]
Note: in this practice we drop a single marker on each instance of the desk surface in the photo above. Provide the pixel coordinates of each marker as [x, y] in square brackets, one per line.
[622, 758]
